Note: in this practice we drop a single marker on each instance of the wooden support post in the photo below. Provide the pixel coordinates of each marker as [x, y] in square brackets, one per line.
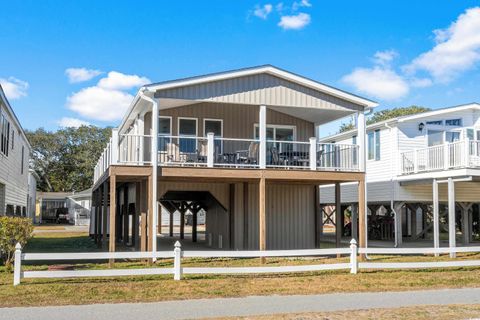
[354, 223]
[338, 216]
[182, 220]
[436, 216]
[113, 213]
[143, 219]
[151, 227]
[466, 226]
[159, 220]
[245, 216]
[125, 215]
[136, 218]
[262, 216]
[398, 210]
[104, 216]
[231, 216]
[194, 225]
[451, 216]
[316, 217]
[362, 214]
[170, 225]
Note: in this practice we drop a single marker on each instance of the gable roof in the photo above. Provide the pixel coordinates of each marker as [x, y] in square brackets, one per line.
[263, 69]
[393, 121]
[3, 97]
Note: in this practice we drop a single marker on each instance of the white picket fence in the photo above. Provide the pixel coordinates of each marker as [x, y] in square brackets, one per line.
[178, 270]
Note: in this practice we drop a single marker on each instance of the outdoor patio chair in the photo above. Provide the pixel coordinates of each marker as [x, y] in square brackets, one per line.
[249, 156]
[275, 160]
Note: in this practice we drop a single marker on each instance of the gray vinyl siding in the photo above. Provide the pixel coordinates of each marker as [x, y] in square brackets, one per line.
[259, 89]
[238, 120]
[289, 218]
[15, 184]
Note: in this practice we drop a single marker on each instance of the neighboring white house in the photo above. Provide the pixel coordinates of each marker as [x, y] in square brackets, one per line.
[423, 174]
[14, 158]
[66, 207]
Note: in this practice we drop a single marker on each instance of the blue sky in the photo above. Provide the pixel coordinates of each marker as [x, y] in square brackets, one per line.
[398, 53]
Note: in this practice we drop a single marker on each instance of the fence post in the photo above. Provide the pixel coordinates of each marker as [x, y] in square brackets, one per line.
[446, 156]
[353, 257]
[313, 153]
[467, 152]
[17, 265]
[177, 261]
[415, 161]
[210, 149]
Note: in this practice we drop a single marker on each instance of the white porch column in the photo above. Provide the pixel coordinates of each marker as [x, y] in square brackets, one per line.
[451, 215]
[262, 134]
[361, 140]
[436, 216]
[398, 208]
[210, 149]
[115, 146]
[313, 153]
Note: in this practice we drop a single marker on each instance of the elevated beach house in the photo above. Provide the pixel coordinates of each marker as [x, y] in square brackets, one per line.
[239, 145]
[423, 174]
[14, 158]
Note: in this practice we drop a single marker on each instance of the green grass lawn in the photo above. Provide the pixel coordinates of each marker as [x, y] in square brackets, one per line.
[38, 292]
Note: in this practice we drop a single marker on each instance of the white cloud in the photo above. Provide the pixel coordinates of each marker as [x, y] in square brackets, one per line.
[457, 49]
[100, 103]
[304, 3]
[263, 12]
[384, 58]
[81, 74]
[119, 81]
[294, 22]
[14, 88]
[72, 122]
[379, 82]
[109, 99]
[420, 82]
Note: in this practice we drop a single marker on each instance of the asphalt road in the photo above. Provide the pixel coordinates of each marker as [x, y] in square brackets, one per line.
[204, 308]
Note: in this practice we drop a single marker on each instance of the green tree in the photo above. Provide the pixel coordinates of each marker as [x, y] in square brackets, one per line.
[65, 159]
[385, 115]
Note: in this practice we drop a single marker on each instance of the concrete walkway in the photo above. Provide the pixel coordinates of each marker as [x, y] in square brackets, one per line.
[205, 308]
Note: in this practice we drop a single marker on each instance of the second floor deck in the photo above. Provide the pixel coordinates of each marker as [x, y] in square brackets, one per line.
[233, 153]
[448, 156]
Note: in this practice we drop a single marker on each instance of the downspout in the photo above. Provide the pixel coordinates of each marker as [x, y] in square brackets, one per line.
[154, 157]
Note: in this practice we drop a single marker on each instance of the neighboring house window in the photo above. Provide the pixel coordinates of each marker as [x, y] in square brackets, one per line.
[435, 122]
[23, 160]
[164, 132]
[435, 137]
[374, 145]
[453, 122]
[214, 126]
[13, 139]
[187, 127]
[354, 140]
[5, 135]
[470, 134]
[452, 136]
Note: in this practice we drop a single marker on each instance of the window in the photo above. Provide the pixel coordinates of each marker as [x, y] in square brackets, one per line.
[214, 126]
[4, 135]
[278, 133]
[373, 138]
[13, 139]
[164, 131]
[187, 127]
[23, 160]
[452, 136]
[435, 137]
[435, 122]
[453, 122]
[354, 140]
[470, 134]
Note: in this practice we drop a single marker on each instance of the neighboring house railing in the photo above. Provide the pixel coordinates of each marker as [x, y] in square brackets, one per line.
[455, 155]
[214, 151]
[178, 270]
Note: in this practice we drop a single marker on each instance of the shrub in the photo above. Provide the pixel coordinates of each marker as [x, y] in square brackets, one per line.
[13, 230]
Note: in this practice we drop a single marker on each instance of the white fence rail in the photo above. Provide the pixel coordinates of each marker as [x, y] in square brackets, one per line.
[459, 154]
[178, 270]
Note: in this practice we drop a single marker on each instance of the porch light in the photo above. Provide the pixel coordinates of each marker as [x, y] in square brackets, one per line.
[421, 125]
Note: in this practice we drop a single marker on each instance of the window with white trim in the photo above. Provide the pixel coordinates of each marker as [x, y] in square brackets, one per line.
[187, 127]
[373, 142]
[214, 126]
[453, 122]
[164, 132]
[4, 134]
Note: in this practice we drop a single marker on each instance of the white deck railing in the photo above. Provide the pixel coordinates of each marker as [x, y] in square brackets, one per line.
[455, 155]
[210, 151]
[178, 270]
